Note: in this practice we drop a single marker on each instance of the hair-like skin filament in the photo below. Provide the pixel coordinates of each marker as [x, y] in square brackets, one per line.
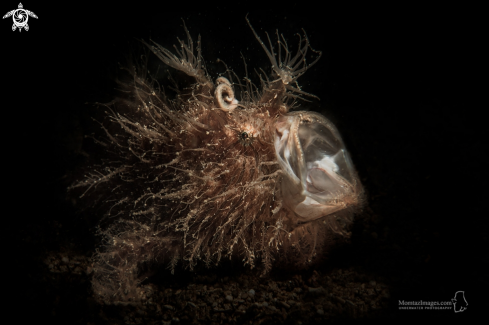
[289, 69]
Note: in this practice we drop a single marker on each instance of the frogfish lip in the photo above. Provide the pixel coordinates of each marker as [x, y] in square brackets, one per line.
[320, 178]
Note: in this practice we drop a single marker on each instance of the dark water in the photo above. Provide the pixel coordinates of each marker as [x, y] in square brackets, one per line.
[394, 86]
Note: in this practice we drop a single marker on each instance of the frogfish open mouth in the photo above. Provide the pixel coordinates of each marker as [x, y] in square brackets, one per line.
[204, 176]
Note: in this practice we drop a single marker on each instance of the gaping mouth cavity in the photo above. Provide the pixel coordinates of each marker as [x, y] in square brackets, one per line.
[320, 178]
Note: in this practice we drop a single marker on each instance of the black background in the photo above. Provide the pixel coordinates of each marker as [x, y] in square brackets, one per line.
[398, 85]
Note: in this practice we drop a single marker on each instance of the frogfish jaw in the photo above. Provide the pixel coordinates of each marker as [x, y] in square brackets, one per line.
[320, 179]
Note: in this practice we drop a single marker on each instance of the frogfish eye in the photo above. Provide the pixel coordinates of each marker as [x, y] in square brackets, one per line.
[320, 178]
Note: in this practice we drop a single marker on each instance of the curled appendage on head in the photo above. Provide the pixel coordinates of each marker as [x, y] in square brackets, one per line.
[224, 95]
[291, 67]
[186, 60]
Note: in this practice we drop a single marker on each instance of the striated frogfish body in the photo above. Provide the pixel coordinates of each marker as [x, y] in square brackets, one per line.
[206, 175]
